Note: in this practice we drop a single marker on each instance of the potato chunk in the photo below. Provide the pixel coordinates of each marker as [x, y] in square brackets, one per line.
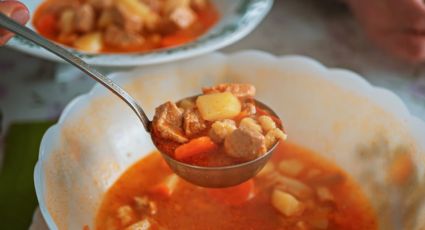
[183, 17]
[290, 167]
[285, 203]
[266, 123]
[218, 106]
[91, 42]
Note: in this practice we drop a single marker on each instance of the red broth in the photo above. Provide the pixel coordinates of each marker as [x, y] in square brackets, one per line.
[46, 22]
[246, 206]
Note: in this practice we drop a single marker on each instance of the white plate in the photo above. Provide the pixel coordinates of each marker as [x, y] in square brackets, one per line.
[238, 19]
[332, 111]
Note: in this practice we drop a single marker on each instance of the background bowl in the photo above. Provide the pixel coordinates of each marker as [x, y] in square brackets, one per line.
[237, 19]
[331, 111]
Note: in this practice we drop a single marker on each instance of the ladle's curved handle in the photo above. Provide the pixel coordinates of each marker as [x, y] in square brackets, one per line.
[23, 31]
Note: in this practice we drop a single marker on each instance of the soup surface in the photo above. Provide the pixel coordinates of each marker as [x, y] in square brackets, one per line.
[117, 26]
[297, 189]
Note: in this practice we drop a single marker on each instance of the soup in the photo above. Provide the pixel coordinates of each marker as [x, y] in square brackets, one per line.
[124, 25]
[223, 126]
[297, 189]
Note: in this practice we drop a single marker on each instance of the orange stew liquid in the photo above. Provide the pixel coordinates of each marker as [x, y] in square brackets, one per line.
[149, 194]
[47, 22]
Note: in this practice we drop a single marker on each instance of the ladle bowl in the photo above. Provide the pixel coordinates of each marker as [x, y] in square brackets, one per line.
[220, 176]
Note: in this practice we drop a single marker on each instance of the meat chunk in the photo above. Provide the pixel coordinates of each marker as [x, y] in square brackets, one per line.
[220, 129]
[245, 144]
[84, 20]
[241, 91]
[192, 122]
[118, 38]
[285, 203]
[168, 121]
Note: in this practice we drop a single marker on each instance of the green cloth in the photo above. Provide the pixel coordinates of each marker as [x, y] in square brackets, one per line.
[17, 194]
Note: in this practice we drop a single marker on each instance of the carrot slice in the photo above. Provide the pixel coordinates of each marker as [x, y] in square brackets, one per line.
[194, 147]
[235, 195]
[46, 24]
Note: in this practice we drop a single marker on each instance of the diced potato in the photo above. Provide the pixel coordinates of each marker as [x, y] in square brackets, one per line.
[273, 136]
[324, 194]
[66, 21]
[220, 129]
[91, 42]
[285, 203]
[266, 123]
[267, 169]
[290, 167]
[218, 106]
[126, 214]
[295, 187]
[167, 187]
[140, 225]
[183, 17]
[250, 124]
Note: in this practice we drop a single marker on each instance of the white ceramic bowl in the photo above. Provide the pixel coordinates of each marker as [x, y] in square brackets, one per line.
[332, 111]
[238, 18]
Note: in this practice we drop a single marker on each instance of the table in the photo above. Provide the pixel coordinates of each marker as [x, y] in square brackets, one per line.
[322, 30]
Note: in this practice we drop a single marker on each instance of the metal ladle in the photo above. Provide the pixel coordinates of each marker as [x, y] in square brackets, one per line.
[214, 177]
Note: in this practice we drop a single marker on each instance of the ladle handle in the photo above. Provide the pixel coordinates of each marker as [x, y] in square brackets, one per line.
[24, 32]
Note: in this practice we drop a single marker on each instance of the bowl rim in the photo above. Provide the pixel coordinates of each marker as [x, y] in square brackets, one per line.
[344, 78]
[246, 17]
